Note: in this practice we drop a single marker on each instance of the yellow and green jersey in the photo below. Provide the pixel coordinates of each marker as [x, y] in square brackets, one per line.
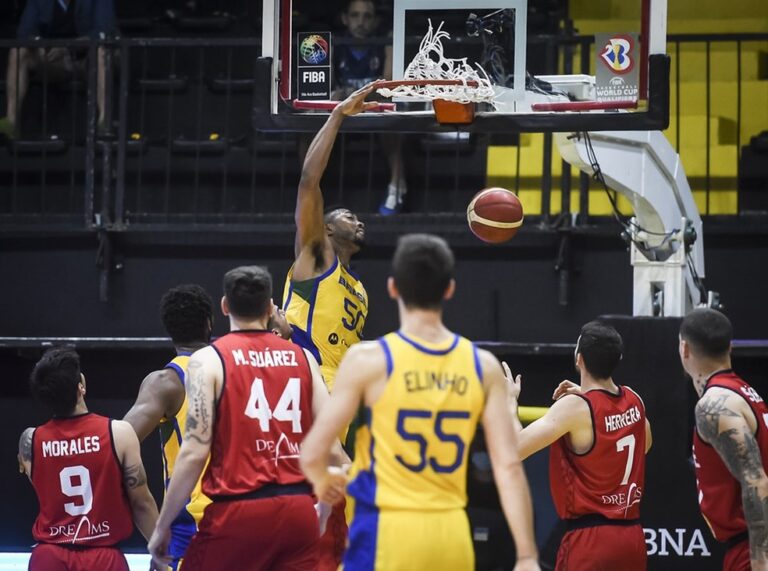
[327, 314]
[408, 478]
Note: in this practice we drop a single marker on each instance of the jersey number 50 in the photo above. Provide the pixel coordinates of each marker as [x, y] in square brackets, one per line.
[419, 439]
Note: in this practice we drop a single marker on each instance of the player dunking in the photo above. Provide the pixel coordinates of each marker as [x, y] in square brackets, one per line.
[599, 436]
[324, 300]
[252, 397]
[187, 315]
[87, 473]
[730, 443]
[424, 389]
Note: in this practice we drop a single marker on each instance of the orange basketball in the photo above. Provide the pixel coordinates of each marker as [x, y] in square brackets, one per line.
[495, 215]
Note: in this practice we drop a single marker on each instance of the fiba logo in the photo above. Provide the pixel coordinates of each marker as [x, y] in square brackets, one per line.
[617, 54]
[314, 49]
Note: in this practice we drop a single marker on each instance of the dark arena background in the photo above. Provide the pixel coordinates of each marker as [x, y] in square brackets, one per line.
[182, 170]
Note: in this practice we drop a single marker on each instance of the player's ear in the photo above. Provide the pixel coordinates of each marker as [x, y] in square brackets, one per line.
[82, 384]
[392, 288]
[450, 290]
[224, 305]
[345, 19]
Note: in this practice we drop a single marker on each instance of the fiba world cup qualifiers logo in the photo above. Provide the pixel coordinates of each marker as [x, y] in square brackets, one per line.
[617, 54]
[314, 49]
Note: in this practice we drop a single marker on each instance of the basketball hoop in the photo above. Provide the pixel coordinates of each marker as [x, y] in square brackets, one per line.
[453, 86]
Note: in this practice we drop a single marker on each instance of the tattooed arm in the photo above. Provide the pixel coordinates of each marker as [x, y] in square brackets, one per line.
[143, 505]
[25, 452]
[725, 420]
[204, 379]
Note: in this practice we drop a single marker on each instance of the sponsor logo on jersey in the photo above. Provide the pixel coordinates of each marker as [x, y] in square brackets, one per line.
[84, 530]
[283, 449]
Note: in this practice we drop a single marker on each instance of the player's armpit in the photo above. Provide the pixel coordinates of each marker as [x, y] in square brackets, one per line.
[721, 419]
[160, 396]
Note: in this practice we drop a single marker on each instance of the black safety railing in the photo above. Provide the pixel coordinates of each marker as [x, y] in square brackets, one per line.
[46, 168]
[695, 110]
[171, 139]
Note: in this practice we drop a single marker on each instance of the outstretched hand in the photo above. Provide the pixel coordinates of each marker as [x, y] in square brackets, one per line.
[566, 388]
[514, 383]
[356, 102]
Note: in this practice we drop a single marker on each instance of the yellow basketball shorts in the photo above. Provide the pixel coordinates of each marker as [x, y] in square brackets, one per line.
[390, 540]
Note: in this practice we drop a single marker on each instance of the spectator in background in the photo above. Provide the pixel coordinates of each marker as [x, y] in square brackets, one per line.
[355, 65]
[55, 19]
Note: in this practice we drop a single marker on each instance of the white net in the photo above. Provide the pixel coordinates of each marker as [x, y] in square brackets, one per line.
[431, 64]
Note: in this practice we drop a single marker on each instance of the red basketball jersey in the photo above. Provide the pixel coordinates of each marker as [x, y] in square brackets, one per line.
[719, 491]
[264, 412]
[79, 483]
[608, 479]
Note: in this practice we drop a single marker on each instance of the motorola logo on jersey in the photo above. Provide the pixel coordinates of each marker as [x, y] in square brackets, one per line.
[333, 339]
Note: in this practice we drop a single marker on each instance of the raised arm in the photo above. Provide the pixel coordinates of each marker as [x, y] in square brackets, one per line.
[724, 420]
[143, 505]
[160, 396]
[310, 225]
[568, 414]
[204, 375]
[362, 364]
[511, 482]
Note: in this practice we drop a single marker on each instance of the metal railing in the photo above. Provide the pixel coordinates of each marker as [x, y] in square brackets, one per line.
[176, 146]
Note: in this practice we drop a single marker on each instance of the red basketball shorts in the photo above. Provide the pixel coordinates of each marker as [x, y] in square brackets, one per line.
[47, 557]
[737, 557]
[255, 534]
[603, 548]
[334, 540]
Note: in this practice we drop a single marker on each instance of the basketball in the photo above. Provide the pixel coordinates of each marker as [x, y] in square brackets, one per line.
[495, 215]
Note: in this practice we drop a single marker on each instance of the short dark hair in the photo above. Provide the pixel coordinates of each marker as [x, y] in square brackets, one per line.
[422, 267]
[54, 380]
[708, 331]
[248, 290]
[332, 212]
[187, 313]
[601, 348]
